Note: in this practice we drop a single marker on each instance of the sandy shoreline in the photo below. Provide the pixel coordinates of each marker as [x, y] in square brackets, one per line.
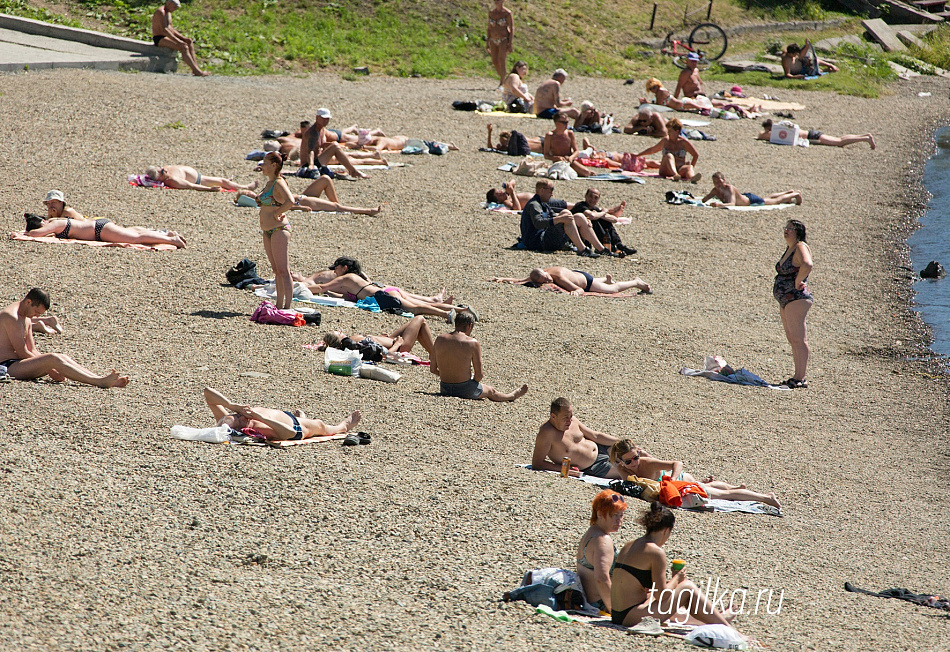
[113, 535]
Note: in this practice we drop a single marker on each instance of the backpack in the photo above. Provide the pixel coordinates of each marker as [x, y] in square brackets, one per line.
[244, 270]
[518, 144]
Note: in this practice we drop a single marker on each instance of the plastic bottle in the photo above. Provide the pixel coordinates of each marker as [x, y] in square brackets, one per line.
[565, 467]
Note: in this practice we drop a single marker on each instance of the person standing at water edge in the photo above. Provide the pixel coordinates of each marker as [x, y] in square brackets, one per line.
[791, 291]
[166, 36]
[501, 31]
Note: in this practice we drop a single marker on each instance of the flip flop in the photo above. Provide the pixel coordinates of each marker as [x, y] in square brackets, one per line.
[364, 438]
[352, 439]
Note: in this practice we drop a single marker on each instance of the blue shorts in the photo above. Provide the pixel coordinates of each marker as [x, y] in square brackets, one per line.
[469, 389]
[548, 113]
[388, 302]
[754, 200]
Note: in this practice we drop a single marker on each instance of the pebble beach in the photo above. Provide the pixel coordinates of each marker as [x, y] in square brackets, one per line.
[114, 536]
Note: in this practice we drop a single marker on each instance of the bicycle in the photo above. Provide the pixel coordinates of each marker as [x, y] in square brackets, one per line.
[708, 40]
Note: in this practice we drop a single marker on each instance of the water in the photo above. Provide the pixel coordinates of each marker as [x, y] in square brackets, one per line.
[932, 242]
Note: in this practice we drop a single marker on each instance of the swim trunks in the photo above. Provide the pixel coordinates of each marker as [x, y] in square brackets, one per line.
[548, 114]
[157, 38]
[590, 279]
[388, 302]
[339, 134]
[814, 134]
[754, 200]
[298, 431]
[600, 467]
[9, 363]
[469, 389]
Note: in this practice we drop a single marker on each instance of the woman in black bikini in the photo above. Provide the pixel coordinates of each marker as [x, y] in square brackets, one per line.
[275, 199]
[640, 588]
[353, 285]
[596, 552]
[66, 222]
[790, 289]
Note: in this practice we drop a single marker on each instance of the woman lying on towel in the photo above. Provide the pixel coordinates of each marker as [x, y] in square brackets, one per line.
[629, 460]
[350, 283]
[665, 98]
[596, 551]
[639, 587]
[310, 197]
[400, 340]
[274, 425]
[576, 282]
[66, 222]
[815, 137]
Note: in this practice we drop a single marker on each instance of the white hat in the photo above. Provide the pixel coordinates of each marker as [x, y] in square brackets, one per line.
[55, 195]
[177, 3]
[324, 113]
[561, 72]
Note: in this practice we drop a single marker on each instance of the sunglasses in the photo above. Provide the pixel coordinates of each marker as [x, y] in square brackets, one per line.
[617, 498]
[631, 460]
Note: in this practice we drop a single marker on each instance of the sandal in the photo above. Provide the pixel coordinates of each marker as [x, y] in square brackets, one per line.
[794, 383]
[352, 439]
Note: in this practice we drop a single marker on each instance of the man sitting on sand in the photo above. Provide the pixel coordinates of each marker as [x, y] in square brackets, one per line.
[729, 195]
[457, 361]
[576, 282]
[182, 177]
[646, 122]
[547, 99]
[562, 436]
[689, 83]
[166, 36]
[18, 352]
[316, 149]
[544, 230]
[602, 221]
[560, 145]
[274, 425]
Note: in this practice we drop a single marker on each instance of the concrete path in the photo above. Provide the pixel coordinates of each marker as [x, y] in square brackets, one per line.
[33, 45]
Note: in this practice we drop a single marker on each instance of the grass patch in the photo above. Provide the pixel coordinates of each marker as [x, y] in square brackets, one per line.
[173, 125]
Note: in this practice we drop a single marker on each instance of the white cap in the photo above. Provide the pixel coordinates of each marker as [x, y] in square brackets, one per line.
[55, 195]
[561, 72]
[324, 113]
[177, 3]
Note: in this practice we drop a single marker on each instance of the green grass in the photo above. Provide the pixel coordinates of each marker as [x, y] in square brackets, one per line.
[440, 39]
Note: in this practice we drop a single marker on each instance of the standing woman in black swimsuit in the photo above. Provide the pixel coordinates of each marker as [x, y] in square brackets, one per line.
[791, 291]
[641, 566]
[275, 199]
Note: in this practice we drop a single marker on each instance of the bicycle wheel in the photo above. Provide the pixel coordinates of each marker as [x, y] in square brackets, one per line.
[710, 39]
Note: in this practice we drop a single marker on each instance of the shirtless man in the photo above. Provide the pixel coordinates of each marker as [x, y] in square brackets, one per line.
[182, 177]
[395, 143]
[602, 221]
[18, 352]
[316, 150]
[547, 99]
[166, 36]
[564, 436]
[576, 282]
[457, 360]
[729, 195]
[275, 425]
[560, 145]
[647, 122]
[689, 83]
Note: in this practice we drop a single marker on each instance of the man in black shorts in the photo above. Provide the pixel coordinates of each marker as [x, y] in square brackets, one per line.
[563, 435]
[547, 225]
[166, 36]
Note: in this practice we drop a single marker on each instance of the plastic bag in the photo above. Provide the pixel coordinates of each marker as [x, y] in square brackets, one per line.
[720, 636]
[342, 363]
[562, 170]
[217, 435]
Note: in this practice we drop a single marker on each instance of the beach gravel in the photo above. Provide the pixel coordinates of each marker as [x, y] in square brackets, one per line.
[115, 536]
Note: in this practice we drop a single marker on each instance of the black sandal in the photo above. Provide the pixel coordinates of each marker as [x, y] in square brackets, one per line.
[794, 383]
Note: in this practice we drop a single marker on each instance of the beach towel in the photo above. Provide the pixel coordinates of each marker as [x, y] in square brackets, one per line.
[760, 207]
[92, 243]
[491, 114]
[712, 505]
[225, 435]
[144, 182]
[551, 287]
[717, 369]
[767, 105]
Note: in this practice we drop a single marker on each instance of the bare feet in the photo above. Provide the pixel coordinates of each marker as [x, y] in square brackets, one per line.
[253, 185]
[453, 147]
[440, 297]
[708, 480]
[375, 211]
[773, 501]
[201, 73]
[350, 422]
[300, 414]
[48, 325]
[361, 175]
[609, 280]
[521, 391]
[617, 211]
[113, 380]
[696, 177]
[871, 142]
[642, 286]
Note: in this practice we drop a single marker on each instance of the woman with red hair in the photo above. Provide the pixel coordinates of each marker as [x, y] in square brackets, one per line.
[596, 551]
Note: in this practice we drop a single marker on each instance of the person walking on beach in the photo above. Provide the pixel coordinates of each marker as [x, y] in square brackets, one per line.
[166, 36]
[18, 352]
[501, 31]
[791, 291]
[457, 360]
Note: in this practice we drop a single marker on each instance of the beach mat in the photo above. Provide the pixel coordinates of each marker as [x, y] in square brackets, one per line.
[767, 105]
[491, 114]
[551, 287]
[92, 243]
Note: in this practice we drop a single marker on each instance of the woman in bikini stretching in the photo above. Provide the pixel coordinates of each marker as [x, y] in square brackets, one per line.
[500, 34]
[352, 285]
[675, 148]
[274, 425]
[665, 98]
[639, 587]
[275, 199]
[66, 222]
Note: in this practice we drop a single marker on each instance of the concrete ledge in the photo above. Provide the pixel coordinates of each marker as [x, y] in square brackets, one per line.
[146, 56]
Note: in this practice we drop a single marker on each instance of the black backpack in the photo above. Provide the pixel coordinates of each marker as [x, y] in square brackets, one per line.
[518, 144]
[244, 270]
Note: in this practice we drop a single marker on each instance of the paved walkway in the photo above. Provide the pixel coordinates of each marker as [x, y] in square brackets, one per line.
[34, 45]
